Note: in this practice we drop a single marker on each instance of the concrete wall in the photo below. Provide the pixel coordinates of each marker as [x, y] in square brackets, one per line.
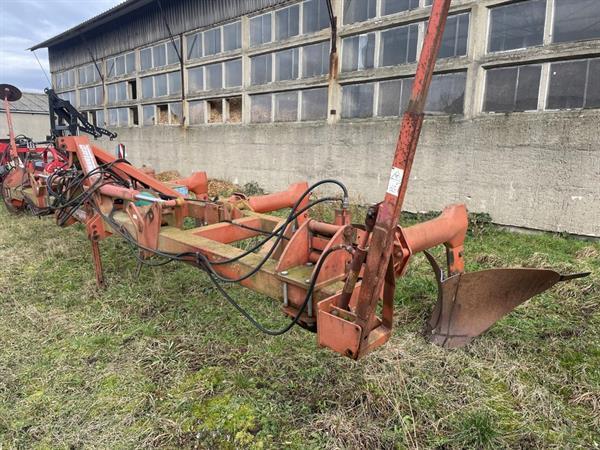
[532, 170]
[35, 126]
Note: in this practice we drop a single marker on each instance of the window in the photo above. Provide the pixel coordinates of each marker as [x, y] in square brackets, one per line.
[164, 114]
[100, 122]
[175, 113]
[260, 30]
[358, 52]
[234, 109]
[174, 80]
[147, 88]
[130, 63]
[214, 77]
[118, 117]
[160, 85]
[287, 22]
[574, 84]
[359, 10]
[314, 104]
[215, 111]
[315, 16]
[286, 106]
[447, 93]
[120, 65]
[173, 51]
[117, 92]
[512, 89]
[399, 45]
[261, 69]
[197, 112]
[576, 20]
[160, 55]
[65, 80]
[146, 58]
[91, 96]
[393, 97]
[212, 41]
[196, 79]
[261, 108]
[286, 64]
[357, 100]
[194, 46]
[232, 36]
[315, 60]
[68, 96]
[518, 25]
[394, 6]
[89, 73]
[233, 73]
[456, 35]
[149, 115]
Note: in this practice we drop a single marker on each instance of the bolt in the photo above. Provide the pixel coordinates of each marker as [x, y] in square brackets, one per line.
[309, 264]
[284, 273]
[307, 281]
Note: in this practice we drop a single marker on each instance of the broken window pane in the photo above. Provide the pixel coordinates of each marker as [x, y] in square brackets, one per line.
[393, 97]
[147, 88]
[567, 85]
[518, 25]
[314, 104]
[196, 79]
[287, 22]
[286, 106]
[234, 108]
[511, 89]
[159, 56]
[261, 108]
[286, 64]
[174, 83]
[357, 100]
[399, 45]
[261, 69]
[214, 76]
[215, 111]
[315, 16]
[232, 36]
[260, 29]
[576, 20]
[315, 60]
[176, 113]
[212, 41]
[173, 51]
[233, 73]
[197, 114]
[130, 62]
[146, 58]
[359, 10]
[194, 46]
[358, 52]
[394, 6]
[160, 85]
[162, 112]
[447, 93]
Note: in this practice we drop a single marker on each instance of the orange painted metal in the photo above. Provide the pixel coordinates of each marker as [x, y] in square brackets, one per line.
[280, 200]
[196, 183]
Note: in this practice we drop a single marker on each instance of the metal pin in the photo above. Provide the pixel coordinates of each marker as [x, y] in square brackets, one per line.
[286, 300]
[284, 273]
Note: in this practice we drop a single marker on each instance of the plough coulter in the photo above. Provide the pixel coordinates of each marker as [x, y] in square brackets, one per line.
[337, 278]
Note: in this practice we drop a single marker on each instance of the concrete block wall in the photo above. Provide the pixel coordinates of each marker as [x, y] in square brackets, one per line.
[35, 126]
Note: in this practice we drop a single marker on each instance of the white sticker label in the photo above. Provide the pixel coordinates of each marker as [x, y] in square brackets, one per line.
[395, 181]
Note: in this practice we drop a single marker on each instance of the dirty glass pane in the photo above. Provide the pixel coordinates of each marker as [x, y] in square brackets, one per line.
[149, 115]
[233, 73]
[194, 46]
[314, 104]
[260, 70]
[120, 65]
[315, 16]
[197, 114]
[146, 58]
[81, 72]
[567, 85]
[528, 88]
[214, 76]
[110, 68]
[260, 29]
[130, 62]
[121, 91]
[358, 52]
[112, 94]
[83, 100]
[593, 89]
[176, 113]
[160, 85]
[123, 117]
[287, 22]
[456, 34]
[261, 108]
[447, 93]
[99, 95]
[286, 106]
[100, 118]
[174, 83]
[576, 20]
[500, 89]
[212, 41]
[518, 25]
[172, 54]
[89, 73]
[232, 36]
[399, 45]
[393, 97]
[315, 60]
[357, 100]
[113, 117]
[196, 79]
[159, 56]
[286, 64]
[147, 89]
[359, 10]
[394, 6]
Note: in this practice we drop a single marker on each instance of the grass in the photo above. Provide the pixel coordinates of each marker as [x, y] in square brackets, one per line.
[164, 361]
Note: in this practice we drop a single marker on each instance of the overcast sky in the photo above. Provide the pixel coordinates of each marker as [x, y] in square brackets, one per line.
[24, 23]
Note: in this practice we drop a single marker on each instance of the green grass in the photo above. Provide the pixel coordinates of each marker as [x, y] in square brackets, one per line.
[164, 361]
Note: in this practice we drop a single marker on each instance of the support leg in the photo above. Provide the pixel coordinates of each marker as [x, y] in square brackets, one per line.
[97, 263]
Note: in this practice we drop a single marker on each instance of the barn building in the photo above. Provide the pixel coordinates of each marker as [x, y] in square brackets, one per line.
[240, 88]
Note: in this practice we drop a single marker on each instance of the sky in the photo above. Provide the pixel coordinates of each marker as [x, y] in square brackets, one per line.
[24, 23]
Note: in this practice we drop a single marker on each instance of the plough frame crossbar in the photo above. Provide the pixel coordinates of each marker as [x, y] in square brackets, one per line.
[331, 278]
